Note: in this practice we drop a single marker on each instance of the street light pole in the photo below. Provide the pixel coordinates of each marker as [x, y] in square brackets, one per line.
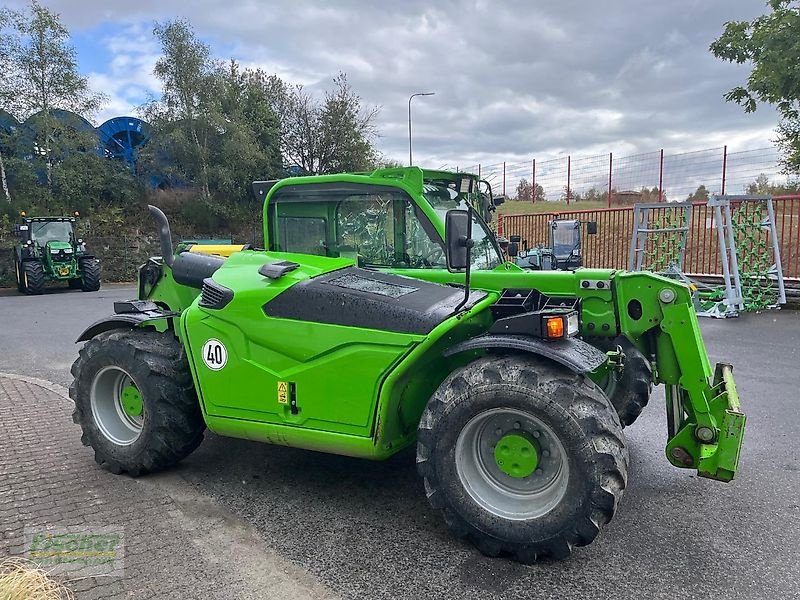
[410, 159]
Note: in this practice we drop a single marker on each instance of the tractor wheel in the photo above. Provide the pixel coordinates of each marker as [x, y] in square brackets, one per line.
[90, 282]
[33, 277]
[522, 456]
[135, 401]
[629, 390]
[18, 274]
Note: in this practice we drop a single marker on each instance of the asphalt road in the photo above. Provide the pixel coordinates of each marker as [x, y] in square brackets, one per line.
[365, 530]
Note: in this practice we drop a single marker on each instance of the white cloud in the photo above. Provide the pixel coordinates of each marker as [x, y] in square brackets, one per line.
[128, 80]
[513, 80]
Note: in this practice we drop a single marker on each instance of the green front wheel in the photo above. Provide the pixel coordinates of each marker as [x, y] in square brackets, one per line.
[523, 457]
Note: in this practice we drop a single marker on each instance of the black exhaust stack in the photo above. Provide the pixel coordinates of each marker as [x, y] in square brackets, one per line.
[164, 234]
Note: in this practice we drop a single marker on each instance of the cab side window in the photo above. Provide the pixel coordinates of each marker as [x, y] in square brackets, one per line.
[382, 229]
[365, 227]
[422, 251]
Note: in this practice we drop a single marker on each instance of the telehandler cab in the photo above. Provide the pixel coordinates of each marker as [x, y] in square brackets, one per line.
[381, 314]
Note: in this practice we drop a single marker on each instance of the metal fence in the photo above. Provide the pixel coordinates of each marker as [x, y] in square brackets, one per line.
[624, 180]
[609, 247]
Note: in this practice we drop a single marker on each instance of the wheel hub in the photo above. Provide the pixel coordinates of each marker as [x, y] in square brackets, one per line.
[516, 455]
[117, 405]
[131, 401]
[512, 463]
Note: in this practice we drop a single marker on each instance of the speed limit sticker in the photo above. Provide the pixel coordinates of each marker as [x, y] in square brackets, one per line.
[215, 355]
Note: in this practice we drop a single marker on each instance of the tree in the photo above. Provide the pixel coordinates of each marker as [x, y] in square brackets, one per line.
[699, 195]
[84, 181]
[524, 190]
[763, 187]
[328, 136]
[8, 88]
[538, 193]
[182, 114]
[214, 125]
[44, 71]
[221, 139]
[771, 44]
[244, 138]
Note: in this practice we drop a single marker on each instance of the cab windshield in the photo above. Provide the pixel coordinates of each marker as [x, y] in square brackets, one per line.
[51, 231]
[485, 255]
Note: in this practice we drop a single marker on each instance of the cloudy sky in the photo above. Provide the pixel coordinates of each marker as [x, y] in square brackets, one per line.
[512, 79]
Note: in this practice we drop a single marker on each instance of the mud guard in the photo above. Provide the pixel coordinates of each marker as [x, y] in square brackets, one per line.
[573, 353]
[128, 314]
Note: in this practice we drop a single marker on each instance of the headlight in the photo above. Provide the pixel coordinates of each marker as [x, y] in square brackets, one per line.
[67, 250]
[572, 324]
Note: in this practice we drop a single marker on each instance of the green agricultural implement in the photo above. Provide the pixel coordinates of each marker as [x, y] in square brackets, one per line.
[49, 250]
[382, 315]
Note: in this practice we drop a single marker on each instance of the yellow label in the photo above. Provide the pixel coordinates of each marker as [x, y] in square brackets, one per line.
[283, 392]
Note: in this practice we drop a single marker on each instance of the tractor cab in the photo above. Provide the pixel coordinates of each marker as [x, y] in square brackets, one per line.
[565, 241]
[564, 251]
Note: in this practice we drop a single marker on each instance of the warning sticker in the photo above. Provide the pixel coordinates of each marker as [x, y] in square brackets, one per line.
[215, 355]
[283, 392]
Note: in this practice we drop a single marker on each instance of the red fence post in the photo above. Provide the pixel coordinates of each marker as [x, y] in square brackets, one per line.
[569, 168]
[533, 184]
[504, 178]
[724, 166]
[610, 166]
[661, 176]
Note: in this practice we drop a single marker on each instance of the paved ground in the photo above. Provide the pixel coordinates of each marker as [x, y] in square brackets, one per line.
[364, 529]
[176, 543]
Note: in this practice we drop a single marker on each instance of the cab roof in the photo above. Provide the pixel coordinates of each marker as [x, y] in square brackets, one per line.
[47, 219]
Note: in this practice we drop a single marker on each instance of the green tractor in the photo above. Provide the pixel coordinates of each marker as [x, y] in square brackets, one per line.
[49, 250]
[382, 315]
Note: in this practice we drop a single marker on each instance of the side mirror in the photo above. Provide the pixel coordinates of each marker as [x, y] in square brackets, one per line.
[458, 238]
[499, 199]
[513, 249]
[591, 227]
[515, 238]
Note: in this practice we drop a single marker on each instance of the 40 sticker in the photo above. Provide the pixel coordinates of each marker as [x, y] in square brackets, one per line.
[215, 355]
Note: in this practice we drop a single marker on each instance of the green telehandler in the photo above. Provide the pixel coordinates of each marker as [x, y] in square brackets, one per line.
[49, 250]
[380, 315]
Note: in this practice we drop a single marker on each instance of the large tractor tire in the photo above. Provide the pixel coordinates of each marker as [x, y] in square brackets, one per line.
[90, 281]
[135, 401]
[522, 456]
[629, 389]
[33, 278]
